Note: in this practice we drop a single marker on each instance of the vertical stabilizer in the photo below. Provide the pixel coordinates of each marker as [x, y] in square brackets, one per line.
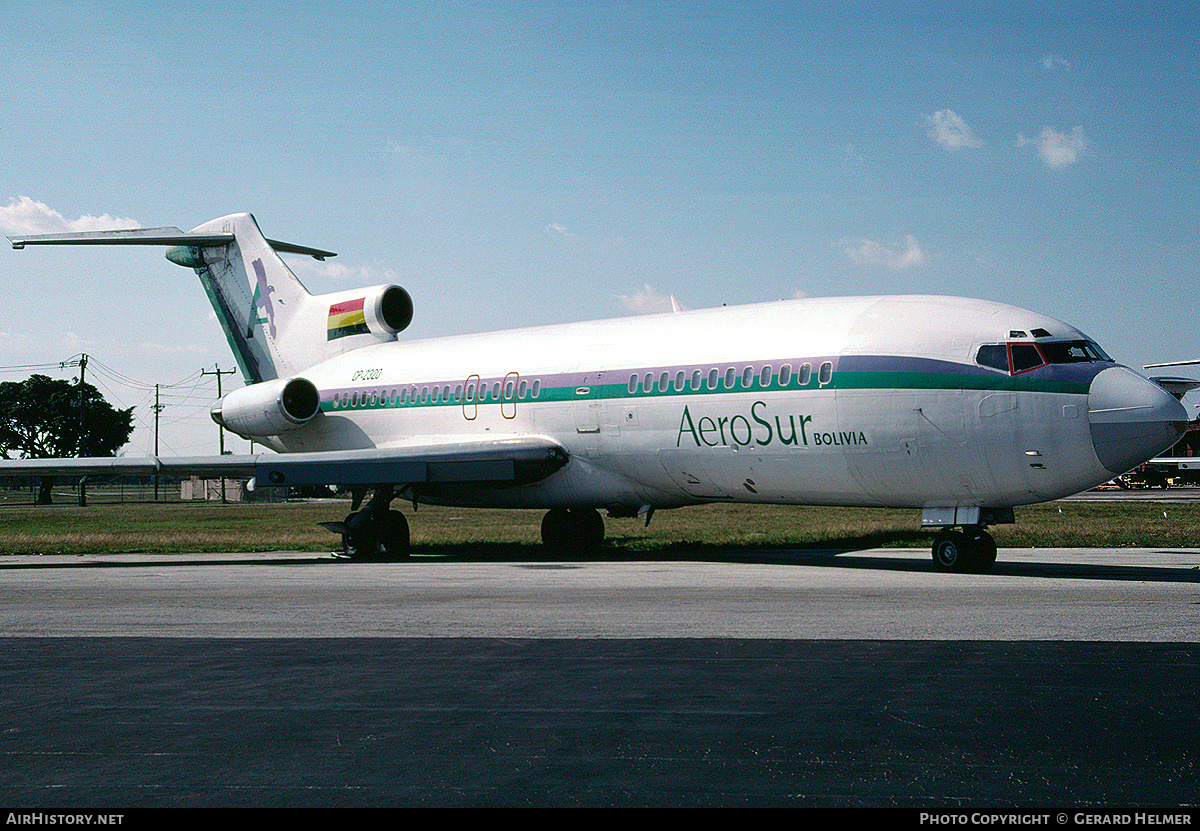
[275, 328]
[255, 295]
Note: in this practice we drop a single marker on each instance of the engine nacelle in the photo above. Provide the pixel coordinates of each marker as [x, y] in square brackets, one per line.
[388, 309]
[381, 311]
[269, 408]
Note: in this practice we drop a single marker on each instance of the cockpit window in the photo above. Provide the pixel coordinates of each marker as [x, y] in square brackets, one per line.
[1022, 357]
[1025, 356]
[1075, 351]
[994, 355]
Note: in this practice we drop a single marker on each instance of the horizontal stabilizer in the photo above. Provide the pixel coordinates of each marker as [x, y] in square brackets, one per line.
[516, 460]
[155, 236]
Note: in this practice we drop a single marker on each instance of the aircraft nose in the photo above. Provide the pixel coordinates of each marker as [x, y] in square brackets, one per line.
[1133, 419]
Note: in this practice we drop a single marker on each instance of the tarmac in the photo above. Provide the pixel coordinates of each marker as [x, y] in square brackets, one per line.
[1061, 681]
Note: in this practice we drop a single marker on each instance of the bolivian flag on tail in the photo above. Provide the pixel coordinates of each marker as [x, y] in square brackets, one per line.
[346, 318]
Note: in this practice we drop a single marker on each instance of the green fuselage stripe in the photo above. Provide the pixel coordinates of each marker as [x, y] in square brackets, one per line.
[378, 396]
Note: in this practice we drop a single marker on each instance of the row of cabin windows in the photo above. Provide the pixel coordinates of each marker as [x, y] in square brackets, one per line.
[438, 394]
[730, 379]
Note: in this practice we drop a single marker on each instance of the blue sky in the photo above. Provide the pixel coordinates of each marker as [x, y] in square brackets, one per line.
[522, 163]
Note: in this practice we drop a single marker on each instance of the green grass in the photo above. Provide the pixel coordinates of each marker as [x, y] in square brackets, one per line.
[189, 527]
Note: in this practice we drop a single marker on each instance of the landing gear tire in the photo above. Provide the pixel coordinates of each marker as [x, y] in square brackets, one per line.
[393, 539]
[971, 551]
[386, 538]
[950, 551]
[984, 555]
[573, 530]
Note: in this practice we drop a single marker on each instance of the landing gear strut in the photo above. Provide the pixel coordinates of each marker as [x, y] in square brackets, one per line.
[971, 550]
[573, 530]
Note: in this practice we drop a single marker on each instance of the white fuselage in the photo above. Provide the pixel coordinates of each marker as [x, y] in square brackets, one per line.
[841, 401]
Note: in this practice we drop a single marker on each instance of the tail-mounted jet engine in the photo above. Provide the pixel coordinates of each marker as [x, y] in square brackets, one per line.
[388, 309]
[269, 408]
[381, 310]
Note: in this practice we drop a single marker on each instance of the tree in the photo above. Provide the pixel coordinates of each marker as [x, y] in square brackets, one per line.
[40, 419]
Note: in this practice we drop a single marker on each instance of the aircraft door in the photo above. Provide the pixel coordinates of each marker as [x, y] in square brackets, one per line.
[587, 404]
[471, 398]
[508, 395]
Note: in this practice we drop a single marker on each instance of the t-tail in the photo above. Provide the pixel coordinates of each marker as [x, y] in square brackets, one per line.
[275, 328]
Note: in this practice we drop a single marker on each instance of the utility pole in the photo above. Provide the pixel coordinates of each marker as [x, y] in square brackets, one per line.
[81, 448]
[220, 429]
[157, 409]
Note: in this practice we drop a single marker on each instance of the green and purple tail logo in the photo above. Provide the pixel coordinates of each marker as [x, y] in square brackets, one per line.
[346, 318]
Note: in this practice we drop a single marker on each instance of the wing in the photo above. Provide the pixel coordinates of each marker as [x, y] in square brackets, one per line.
[517, 460]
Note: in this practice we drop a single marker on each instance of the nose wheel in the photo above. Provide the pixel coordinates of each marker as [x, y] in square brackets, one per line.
[971, 550]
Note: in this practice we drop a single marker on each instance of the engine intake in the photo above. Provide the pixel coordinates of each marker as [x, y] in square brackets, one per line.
[269, 408]
[392, 308]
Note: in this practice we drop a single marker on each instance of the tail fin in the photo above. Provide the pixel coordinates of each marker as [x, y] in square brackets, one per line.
[275, 328]
[256, 296]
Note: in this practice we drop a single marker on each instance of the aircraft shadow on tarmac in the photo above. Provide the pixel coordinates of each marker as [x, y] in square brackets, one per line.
[843, 553]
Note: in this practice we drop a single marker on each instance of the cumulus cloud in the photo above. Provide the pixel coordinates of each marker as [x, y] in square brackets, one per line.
[646, 300]
[558, 228]
[26, 216]
[871, 252]
[948, 129]
[1055, 62]
[361, 273]
[1057, 149]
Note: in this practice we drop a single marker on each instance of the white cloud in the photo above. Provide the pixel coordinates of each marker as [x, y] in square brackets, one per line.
[363, 274]
[1055, 62]
[949, 130]
[25, 216]
[1057, 149]
[558, 228]
[870, 252]
[646, 300]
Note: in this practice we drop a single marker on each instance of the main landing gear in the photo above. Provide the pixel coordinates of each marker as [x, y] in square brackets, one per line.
[375, 532]
[573, 530]
[971, 550]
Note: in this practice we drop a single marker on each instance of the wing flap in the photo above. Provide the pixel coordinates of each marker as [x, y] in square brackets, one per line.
[514, 460]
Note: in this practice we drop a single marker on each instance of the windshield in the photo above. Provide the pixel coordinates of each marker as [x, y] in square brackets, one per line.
[1074, 351]
[1016, 358]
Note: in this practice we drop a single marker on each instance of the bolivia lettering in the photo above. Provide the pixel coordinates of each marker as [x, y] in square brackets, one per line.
[790, 430]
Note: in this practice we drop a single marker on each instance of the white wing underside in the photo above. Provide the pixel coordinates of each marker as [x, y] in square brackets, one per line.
[521, 459]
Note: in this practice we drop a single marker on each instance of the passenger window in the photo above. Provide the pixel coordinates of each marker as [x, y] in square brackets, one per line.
[747, 377]
[664, 382]
[826, 374]
[764, 378]
[679, 380]
[785, 375]
[730, 378]
[648, 383]
[805, 375]
[696, 379]
[537, 388]
[633, 383]
[712, 378]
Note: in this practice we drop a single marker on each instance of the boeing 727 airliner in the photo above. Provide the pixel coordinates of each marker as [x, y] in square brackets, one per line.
[960, 408]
